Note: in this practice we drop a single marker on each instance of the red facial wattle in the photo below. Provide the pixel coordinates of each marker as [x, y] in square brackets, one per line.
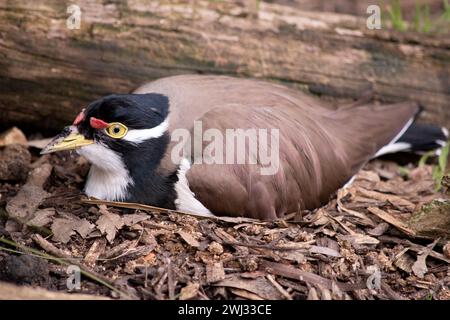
[97, 123]
[80, 117]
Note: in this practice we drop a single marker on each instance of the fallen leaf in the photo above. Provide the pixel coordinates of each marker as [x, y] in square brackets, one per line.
[189, 292]
[420, 266]
[64, 228]
[260, 286]
[132, 219]
[325, 251]
[109, 223]
[42, 218]
[83, 227]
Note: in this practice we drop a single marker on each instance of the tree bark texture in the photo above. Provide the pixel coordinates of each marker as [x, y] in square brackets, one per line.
[48, 72]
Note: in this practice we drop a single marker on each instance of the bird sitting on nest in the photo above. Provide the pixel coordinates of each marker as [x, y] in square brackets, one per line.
[216, 145]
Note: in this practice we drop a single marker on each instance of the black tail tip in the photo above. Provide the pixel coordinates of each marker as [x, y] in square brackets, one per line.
[421, 138]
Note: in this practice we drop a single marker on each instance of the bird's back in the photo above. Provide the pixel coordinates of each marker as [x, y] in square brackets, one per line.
[319, 148]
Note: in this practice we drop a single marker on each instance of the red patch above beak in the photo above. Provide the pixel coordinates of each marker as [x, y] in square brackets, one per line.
[97, 123]
[79, 118]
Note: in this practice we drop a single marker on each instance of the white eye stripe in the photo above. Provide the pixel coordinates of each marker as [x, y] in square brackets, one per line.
[141, 135]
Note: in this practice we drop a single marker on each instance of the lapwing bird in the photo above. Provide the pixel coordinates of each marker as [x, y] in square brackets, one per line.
[216, 145]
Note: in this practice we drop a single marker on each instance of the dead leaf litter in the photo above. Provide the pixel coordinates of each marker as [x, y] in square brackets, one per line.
[361, 245]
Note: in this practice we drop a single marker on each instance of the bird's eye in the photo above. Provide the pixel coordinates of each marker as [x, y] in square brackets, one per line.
[116, 130]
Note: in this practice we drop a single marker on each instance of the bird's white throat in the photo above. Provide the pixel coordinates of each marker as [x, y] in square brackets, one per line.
[108, 179]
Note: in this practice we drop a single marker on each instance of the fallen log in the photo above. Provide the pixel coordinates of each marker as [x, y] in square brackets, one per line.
[48, 72]
[9, 291]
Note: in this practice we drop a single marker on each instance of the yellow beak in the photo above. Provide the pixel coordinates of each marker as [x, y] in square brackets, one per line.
[69, 139]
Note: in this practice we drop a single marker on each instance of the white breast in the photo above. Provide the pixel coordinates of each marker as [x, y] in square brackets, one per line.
[186, 200]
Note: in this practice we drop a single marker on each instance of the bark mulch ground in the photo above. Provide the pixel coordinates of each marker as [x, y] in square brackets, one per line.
[362, 245]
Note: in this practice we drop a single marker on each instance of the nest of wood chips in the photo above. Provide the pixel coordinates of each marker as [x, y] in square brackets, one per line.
[363, 244]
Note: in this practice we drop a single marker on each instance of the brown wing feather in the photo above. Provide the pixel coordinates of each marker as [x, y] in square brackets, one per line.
[320, 148]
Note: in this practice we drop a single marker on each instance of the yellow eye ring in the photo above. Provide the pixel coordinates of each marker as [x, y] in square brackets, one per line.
[116, 130]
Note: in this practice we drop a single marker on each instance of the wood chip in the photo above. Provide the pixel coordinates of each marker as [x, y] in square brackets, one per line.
[383, 215]
[305, 276]
[94, 252]
[360, 239]
[393, 199]
[312, 294]
[325, 251]
[259, 286]
[245, 294]
[404, 261]
[189, 239]
[118, 250]
[364, 219]
[379, 230]
[214, 272]
[277, 286]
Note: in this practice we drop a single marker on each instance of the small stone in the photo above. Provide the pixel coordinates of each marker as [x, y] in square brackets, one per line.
[13, 136]
[15, 162]
[24, 269]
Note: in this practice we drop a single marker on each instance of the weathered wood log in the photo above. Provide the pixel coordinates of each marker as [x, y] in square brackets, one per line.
[9, 291]
[48, 72]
